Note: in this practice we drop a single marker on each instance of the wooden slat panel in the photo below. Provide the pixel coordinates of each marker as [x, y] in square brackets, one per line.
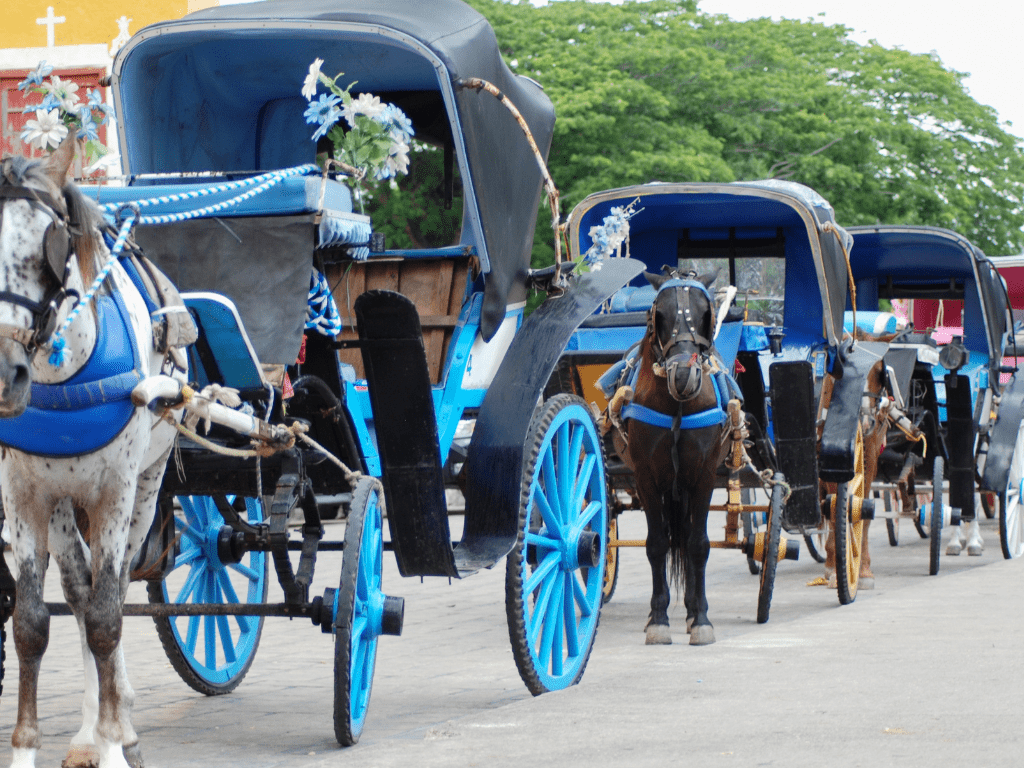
[435, 286]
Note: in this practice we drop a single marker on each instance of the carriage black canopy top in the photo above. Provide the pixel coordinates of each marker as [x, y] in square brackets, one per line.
[219, 90]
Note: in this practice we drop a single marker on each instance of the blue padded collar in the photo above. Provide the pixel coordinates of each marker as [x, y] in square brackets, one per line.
[711, 417]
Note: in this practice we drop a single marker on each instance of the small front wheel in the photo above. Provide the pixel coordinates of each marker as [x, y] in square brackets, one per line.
[211, 653]
[935, 518]
[362, 613]
[770, 559]
[555, 572]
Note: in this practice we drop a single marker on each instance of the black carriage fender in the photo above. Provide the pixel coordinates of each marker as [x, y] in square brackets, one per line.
[1004, 436]
[838, 439]
[495, 459]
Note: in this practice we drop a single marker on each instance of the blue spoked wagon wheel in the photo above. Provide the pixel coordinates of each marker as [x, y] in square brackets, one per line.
[362, 612]
[211, 653]
[555, 572]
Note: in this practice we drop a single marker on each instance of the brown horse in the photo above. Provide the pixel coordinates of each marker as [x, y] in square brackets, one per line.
[672, 437]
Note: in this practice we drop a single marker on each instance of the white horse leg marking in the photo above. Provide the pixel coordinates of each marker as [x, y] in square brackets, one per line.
[975, 544]
[956, 541]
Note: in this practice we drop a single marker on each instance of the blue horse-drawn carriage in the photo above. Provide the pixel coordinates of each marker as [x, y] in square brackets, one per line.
[783, 283]
[949, 377]
[220, 174]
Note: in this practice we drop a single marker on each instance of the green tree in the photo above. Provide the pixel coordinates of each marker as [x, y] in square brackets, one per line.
[660, 91]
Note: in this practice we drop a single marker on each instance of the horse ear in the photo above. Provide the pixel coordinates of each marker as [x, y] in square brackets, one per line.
[708, 278]
[656, 280]
[59, 162]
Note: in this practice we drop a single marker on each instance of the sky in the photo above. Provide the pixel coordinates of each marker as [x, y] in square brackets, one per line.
[983, 38]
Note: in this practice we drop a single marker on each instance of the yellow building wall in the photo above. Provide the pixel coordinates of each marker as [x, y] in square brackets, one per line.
[85, 21]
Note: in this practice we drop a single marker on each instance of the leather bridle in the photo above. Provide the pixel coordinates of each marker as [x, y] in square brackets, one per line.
[57, 250]
[684, 329]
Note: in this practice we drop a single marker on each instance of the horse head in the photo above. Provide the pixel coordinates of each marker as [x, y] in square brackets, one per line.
[680, 326]
[38, 210]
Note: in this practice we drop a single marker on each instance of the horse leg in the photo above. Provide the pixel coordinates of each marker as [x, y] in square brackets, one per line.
[975, 544]
[109, 521]
[657, 628]
[31, 631]
[866, 579]
[956, 541]
[72, 557]
[696, 549]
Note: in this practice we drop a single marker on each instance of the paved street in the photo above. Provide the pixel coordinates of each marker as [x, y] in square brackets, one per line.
[922, 671]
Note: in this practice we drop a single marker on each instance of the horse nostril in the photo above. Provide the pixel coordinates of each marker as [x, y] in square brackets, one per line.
[20, 379]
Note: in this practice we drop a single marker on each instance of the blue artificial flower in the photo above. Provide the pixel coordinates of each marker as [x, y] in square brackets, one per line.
[320, 111]
[50, 101]
[332, 116]
[395, 121]
[35, 77]
[95, 98]
[89, 128]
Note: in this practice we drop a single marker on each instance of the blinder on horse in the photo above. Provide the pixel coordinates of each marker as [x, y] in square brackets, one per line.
[57, 250]
[683, 372]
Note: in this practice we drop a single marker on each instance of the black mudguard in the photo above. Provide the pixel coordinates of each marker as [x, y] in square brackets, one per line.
[960, 432]
[839, 437]
[494, 465]
[1004, 436]
[796, 438]
[391, 343]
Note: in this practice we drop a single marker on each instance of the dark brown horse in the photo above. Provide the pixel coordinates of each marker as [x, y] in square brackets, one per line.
[672, 439]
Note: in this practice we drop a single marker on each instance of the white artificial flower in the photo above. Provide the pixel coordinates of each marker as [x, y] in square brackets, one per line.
[46, 129]
[399, 157]
[67, 92]
[367, 104]
[309, 84]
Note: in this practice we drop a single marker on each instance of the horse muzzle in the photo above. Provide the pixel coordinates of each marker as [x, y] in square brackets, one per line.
[15, 383]
[684, 378]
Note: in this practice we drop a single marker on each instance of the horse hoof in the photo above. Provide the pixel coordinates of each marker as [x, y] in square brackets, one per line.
[702, 634]
[975, 550]
[133, 755]
[866, 582]
[689, 625]
[84, 756]
[953, 550]
[833, 582]
[658, 634]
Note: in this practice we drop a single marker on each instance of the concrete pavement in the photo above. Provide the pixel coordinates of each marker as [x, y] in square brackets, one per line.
[922, 671]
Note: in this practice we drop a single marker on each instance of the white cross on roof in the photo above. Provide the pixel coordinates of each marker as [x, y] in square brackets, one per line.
[50, 21]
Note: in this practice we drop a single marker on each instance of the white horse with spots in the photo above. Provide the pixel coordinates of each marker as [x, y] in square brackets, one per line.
[49, 235]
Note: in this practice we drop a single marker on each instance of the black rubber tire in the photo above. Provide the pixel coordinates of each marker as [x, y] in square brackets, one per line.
[365, 501]
[539, 669]
[157, 593]
[749, 529]
[847, 564]
[611, 564]
[935, 519]
[892, 524]
[773, 536]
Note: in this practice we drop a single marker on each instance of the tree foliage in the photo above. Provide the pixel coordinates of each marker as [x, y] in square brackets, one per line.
[660, 91]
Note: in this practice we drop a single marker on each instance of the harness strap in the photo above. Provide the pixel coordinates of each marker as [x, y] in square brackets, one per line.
[708, 418]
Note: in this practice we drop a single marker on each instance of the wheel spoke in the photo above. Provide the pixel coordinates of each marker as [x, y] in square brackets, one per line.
[569, 617]
[580, 595]
[250, 573]
[582, 484]
[210, 638]
[538, 540]
[193, 634]
[547, 514]
[227, 643]
[565, 464]
[543, 570]
[536, 618]
[548, 486]
[187, 556]
[195, 575]
[549, 619]
[227, 587]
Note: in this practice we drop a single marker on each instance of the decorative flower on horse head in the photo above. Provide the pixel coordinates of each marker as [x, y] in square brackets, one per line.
[680, 326]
